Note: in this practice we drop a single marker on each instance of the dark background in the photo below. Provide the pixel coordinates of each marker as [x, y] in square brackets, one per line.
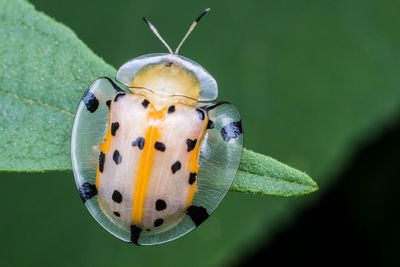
[318, 87]
[355, 223]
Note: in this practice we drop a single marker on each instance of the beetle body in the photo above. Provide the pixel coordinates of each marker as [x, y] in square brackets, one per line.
[153, 160]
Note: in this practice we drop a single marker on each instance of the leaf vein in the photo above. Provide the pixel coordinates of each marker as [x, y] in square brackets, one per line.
[36, 102]
[287, 180]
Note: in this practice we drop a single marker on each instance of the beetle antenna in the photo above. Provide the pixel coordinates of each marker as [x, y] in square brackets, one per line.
[154, 30]
[195, 22]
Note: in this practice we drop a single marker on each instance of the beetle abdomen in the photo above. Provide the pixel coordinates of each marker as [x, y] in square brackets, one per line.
[148, 164]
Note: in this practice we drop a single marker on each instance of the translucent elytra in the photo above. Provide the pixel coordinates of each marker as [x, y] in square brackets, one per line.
[146, 192]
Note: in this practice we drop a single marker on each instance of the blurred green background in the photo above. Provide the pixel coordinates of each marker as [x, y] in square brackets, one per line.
[314, 81]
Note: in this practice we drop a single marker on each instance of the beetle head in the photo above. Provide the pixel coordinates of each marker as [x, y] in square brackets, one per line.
[170, 75]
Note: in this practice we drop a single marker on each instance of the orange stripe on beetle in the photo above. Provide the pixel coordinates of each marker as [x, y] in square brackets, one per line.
[194, 165]
[146, 164]
[104, 148]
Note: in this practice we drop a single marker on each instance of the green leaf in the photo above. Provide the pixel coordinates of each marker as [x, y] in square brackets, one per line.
[41, 82]
[44, 68]
[259, 174]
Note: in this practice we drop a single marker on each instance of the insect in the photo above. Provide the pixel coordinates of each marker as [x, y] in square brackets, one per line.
[154, 157]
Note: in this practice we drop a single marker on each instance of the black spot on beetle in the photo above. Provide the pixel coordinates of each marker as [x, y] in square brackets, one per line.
[176, 167]
[118, 96]
[197, 214]
[159, 146]
[108, 103]
[117, 157]
[161, 204]
[145, 103]
[139, 142]
[90, 101]
[210, 124]
[158, 222]
[116, 196]
[135, 234]
[171, 109]
[191, 144]
[102, 159]
[87, 191]
[192, 178]
[232, 130]
[116, 213]
[201, 113]
[114, 128]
